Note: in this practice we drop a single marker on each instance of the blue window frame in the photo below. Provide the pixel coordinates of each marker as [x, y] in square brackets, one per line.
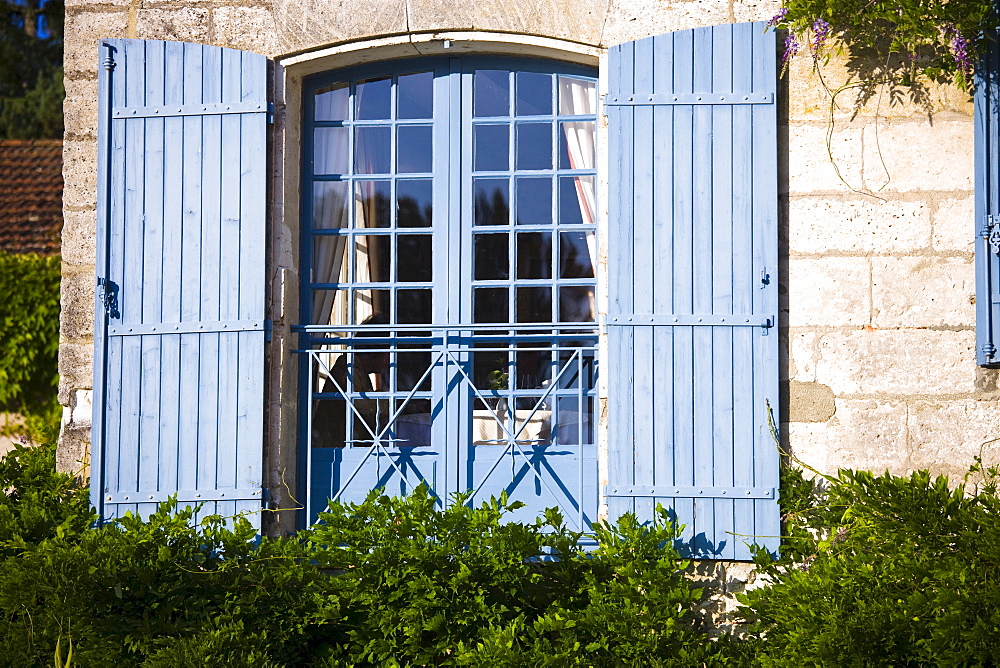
[448, 301]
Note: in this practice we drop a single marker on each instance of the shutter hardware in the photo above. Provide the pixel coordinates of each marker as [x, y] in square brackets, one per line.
[991, 233]
[109, 297]
[694, 320]
[689, 492]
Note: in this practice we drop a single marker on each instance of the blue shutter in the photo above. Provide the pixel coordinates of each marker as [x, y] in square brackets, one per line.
[179, 339]
[988, 207]
[692, 253]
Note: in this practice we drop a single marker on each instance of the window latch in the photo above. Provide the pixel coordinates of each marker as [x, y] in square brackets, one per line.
[991, 233]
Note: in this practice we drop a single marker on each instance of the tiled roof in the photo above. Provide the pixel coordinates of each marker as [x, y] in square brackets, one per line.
[31, 188]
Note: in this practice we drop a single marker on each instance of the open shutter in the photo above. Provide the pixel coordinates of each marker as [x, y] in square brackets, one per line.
[692, 343]
[988, 207]
[180, 270]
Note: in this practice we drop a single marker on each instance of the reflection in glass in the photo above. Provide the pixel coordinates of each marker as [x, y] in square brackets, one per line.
[534, 146]
[534, 255]
[576, 144]
[371, 258]
[372, 202]
[412, 428]
[331, 205]
[490, 305]
[577, 201]
[572, 425]
[372, 152]
[490, 147]
[414, 199]
[368, 303]
[414, 306]
[577, 97]
[491, 93]
[534, 94]
[373, 99]
[534, 304]
[491, 257]
[534, 200]
[331, 102]
[533, 367]
[492, 201]
[330, 151]
[413, 258]
[414, 149]
[415, 95]
[576, 303]
[490, 369]
[577, 253]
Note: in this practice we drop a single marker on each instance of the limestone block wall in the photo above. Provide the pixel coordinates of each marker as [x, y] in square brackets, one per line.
[876, 279]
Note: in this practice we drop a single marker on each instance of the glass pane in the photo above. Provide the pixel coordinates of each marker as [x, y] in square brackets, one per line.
[414, 149]
[577, 97]
[534, 368]
[329, 422]
[490, 370]
[492, 201]
[534, 94]
[491, 93]
[331, 102]
[580, 369]
[370, 307]
[577, 202]
[577, 252]
[414, 258]
[328, 264]
[490, 305]
[490, 144]
[329, 307]
[414, 200]
[415, 95]
[576, 145]
[330, 150]
[534, 146]
[371, 258]
[372, 204]
[410, 368]
[576, 303]
[491, 257]
[572, 425]
[373, 99]
[372, 152]
[534, 304]
[534, 255]
[534, 200]
[413, 427]
[331, 205]
[414, 307]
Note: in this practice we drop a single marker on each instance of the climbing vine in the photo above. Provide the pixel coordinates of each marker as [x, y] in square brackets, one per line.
[896, 40]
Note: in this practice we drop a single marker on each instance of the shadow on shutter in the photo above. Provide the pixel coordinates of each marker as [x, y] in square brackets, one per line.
[693, 351]
[180, 307]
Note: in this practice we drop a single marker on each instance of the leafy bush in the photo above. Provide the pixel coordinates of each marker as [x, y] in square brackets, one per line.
[29, 329]
[884, 570]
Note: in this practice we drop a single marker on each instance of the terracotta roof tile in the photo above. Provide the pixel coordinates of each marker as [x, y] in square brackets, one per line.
[31, 187]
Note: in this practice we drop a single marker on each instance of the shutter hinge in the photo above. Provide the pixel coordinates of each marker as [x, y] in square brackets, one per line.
[109, 296]
[989, 350]
[991, 233]
[268, 329]
[270, 113]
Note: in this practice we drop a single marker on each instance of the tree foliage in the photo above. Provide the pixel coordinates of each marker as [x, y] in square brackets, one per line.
[31, 75]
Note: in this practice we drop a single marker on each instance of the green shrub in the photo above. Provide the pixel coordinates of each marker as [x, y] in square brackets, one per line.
[884, 570]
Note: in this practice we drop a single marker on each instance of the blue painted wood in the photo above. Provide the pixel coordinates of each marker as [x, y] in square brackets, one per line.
[987, 156]
[183, 207]
[699, 249]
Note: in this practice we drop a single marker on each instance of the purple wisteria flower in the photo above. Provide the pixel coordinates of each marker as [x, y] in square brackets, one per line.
[792, 47]
[778, 18]
[821, 31]
[959, 48]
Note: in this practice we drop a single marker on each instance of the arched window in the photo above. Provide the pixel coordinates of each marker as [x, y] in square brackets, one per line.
[450, 233]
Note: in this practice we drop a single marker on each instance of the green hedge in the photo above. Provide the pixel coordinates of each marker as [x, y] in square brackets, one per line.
[29, 334]
[876, 570]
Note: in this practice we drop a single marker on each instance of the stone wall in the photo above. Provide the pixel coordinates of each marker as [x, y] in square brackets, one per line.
[877, 266]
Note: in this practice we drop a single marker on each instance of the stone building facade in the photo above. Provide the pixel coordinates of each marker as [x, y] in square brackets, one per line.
[876, 236]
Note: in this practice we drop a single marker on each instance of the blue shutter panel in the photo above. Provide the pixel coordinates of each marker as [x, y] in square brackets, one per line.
[988, 207]
[692, 254]
[179, 339]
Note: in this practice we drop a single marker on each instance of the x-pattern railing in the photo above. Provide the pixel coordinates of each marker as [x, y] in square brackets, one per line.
[511, 425]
